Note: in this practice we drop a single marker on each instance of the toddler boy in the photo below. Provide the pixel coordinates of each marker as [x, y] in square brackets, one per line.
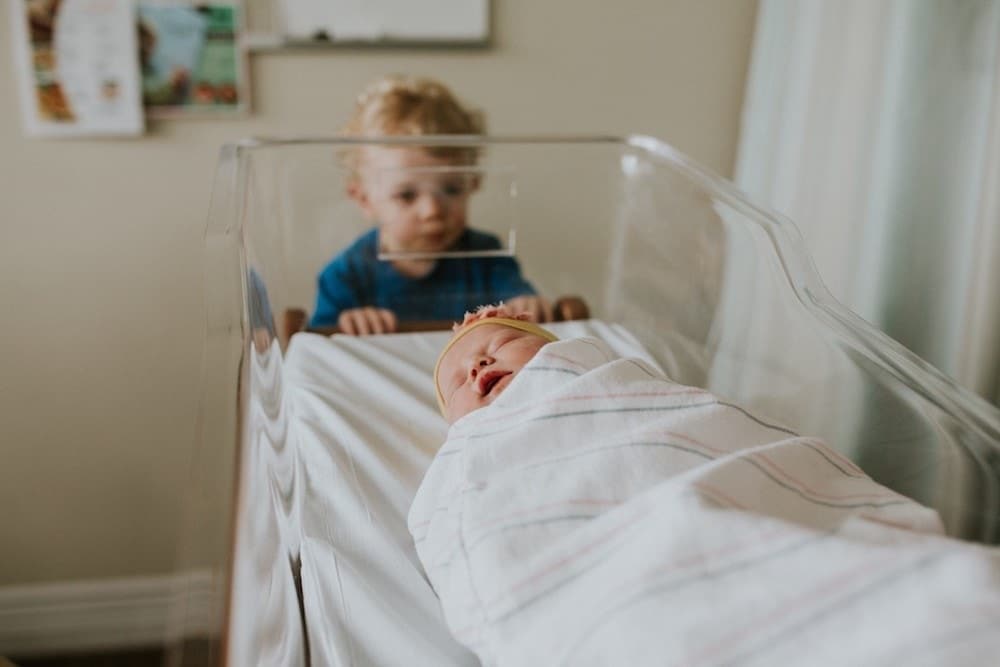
[418, 198]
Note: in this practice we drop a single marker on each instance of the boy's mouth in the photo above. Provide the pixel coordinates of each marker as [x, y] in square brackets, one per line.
[488, 381]
[435, 239]
[436, 242]
[440, 234]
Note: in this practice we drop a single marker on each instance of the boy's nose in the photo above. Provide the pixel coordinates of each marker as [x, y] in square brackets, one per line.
[430, 206]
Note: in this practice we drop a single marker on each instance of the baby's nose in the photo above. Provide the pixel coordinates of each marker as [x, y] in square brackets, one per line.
[478, 364]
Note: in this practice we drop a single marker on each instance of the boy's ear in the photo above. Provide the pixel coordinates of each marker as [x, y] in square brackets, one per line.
[357, 192]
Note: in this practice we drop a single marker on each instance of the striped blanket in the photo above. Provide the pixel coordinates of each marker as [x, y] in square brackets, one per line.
[599, 514]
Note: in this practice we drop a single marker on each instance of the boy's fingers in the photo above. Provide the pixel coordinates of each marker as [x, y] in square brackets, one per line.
[520, 304]
[345, 323]
[352, 322]
[374, 319]
[367, 320]
[361, 319]
[546, 310]
[534, 307]
[388, 319]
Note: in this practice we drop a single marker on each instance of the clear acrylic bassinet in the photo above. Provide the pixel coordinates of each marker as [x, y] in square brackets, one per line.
[720, 292]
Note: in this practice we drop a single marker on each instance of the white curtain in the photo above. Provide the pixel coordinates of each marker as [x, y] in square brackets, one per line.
[875, 125]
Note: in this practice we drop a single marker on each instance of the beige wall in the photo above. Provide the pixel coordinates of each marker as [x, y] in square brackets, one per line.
[100, 241]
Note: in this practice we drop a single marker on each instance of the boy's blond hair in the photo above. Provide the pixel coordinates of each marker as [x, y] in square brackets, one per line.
[413, 106]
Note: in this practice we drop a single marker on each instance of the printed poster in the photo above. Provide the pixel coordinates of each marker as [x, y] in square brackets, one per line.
[78, 74]
[191, 58]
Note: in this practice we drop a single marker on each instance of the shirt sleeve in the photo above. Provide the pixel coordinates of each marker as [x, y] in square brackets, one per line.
[337, 291]
[506, 281]
[503, 278]
[260, 307]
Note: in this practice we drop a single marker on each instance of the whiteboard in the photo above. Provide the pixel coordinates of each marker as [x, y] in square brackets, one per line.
[386, 21]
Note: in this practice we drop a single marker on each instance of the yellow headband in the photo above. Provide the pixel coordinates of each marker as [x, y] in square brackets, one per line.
[523, 325]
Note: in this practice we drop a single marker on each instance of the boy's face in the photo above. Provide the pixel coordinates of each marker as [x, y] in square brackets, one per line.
[418, 200]
[481, 364]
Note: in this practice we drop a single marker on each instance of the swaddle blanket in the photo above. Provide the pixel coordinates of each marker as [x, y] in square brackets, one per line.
[599, 514]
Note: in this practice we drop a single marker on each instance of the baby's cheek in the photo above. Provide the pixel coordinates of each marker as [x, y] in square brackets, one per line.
[463, 405]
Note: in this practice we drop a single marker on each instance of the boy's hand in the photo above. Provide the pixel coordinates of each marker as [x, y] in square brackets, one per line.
[261, 341]
[367, 320]
[539, 309]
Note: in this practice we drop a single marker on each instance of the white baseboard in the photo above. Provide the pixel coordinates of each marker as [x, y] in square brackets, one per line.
[108, 613]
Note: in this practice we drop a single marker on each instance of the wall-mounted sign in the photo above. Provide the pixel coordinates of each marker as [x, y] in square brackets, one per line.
[78, 73]
[279, 23]
[191, 57]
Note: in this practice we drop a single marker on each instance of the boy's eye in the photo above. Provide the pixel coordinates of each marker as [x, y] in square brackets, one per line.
[456, 189]
[406, 196]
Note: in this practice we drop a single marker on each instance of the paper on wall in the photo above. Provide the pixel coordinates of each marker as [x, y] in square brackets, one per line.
[77, 67]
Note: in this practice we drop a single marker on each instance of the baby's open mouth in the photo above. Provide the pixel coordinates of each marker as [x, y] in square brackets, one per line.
[489, 380]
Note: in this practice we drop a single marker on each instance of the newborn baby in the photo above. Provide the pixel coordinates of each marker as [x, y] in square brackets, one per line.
[586, 510]
[482, 358]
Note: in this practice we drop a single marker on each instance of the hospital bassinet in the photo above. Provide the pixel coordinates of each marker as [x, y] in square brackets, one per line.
[719, 292]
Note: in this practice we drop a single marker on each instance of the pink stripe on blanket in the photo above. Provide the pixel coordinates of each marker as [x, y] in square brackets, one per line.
[715, 494]
[562, 503]
[796, 603]
[705, 559]
[593, 544]
[694, 559]
[682, 391]
[891, 524]
[802, 486]
[571, 362]
[837, 456]
[886, 493]
[697, 443]
[540, 508]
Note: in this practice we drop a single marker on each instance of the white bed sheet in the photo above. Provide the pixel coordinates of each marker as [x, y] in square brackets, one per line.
[365, 426]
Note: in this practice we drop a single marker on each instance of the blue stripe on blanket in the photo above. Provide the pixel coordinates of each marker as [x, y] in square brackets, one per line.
[802, 494]
[701, 575]
[453, 551]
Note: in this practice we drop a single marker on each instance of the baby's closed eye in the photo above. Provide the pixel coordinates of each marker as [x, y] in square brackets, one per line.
[500, 341]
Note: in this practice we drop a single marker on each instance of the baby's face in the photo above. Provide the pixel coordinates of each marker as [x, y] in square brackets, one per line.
[481, 364]
[418, 200]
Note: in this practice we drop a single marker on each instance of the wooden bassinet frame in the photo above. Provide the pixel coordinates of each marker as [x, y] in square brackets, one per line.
[294, 320]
